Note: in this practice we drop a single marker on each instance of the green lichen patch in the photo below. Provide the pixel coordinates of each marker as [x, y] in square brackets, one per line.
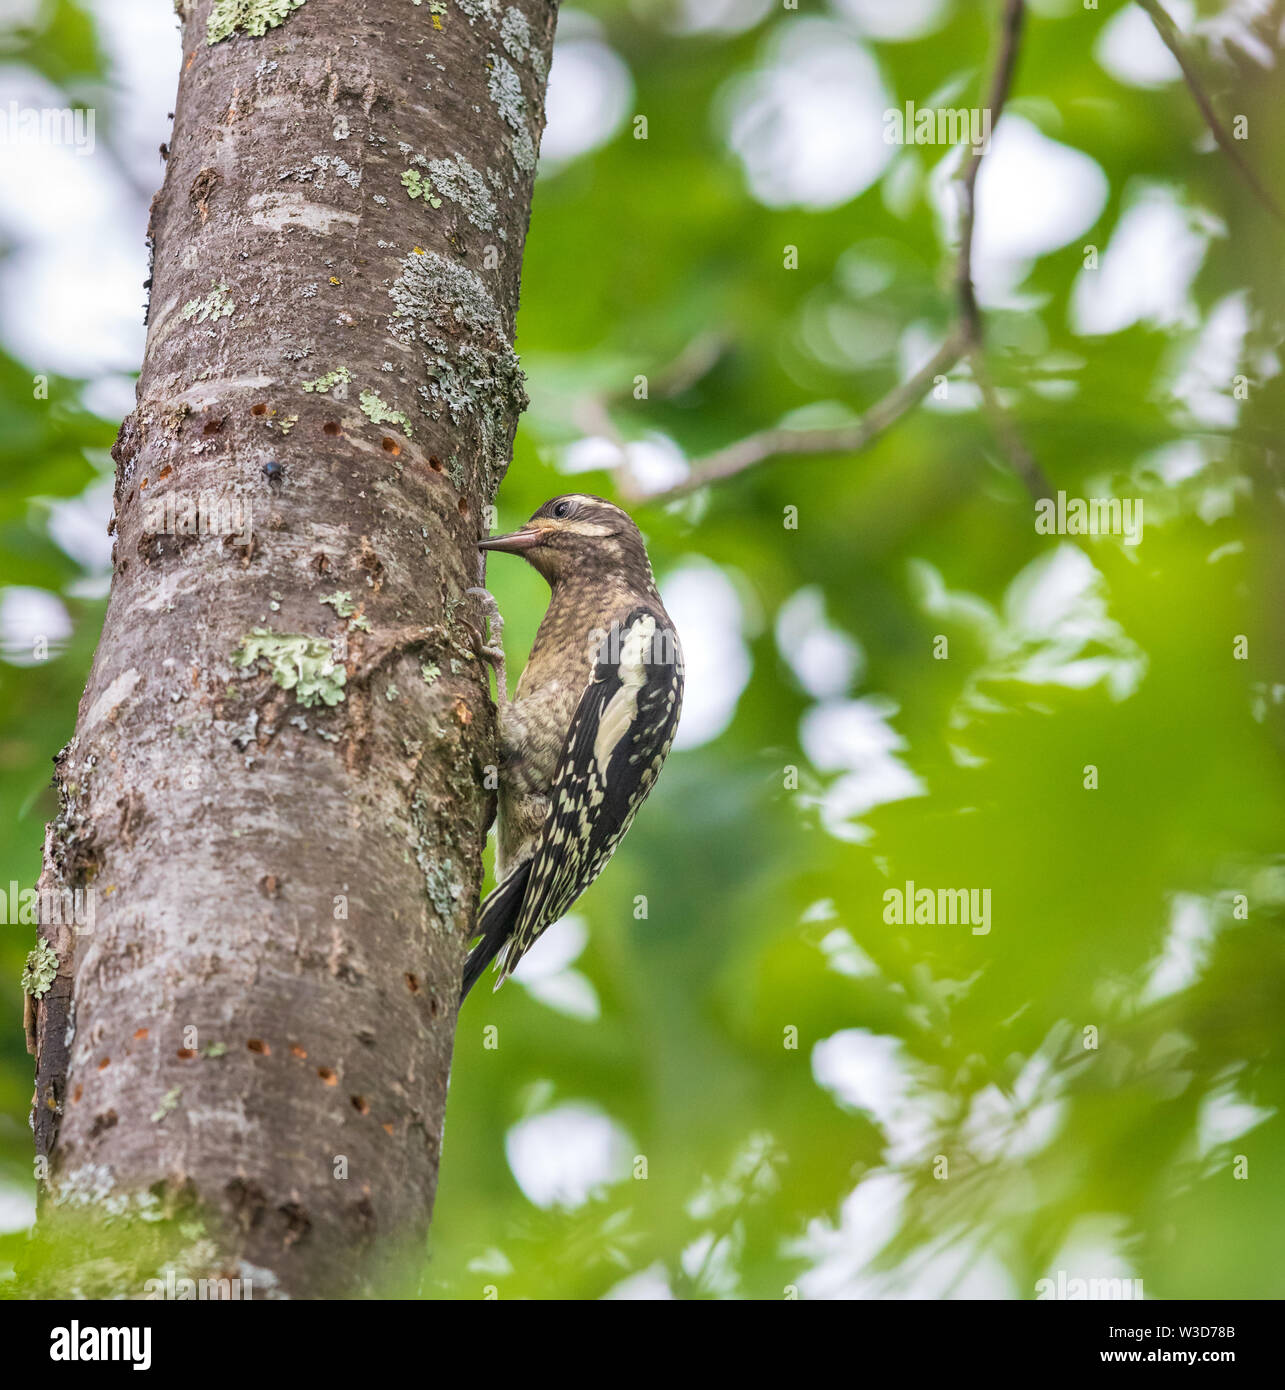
[251, 17]
[488, 386]
[459, 181]
[419, 185]
[39, 972]
[342, 169]
[505, 88]
[441, 883]
[432, 291]
[327, 383]
[373, 407]
[306, 665]
[341, 602]
[215, 305]
[515, 34]
[479, 379]
[169, 1102]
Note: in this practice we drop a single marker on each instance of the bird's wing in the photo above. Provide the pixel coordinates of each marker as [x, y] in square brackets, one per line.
[619, 738]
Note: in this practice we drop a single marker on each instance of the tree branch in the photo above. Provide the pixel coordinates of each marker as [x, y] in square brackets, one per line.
[695, 362]
[1171, 39]
[842, 439]
[996, 100]
[1010, 440]
[284, 842]
[963, 340]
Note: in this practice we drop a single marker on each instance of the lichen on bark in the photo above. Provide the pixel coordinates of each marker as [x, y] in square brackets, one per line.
[251, 17]
[234, 1045]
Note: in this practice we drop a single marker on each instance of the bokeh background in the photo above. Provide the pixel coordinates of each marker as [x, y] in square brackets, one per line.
[760, 1087]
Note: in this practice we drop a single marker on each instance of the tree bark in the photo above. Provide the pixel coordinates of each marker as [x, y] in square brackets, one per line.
[275, 795]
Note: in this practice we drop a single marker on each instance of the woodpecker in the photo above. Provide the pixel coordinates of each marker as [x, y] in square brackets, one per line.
[590, 725]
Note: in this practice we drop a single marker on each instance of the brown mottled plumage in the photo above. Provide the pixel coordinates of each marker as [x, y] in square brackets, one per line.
[590, 724]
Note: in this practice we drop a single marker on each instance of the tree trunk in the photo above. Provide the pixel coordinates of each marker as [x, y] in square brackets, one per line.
[275, 796]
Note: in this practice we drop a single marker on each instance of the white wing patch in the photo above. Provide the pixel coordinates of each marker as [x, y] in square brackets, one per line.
[624, 734]
[619, 712]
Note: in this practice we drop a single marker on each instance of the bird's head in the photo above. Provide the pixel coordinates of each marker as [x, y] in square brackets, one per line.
[578, 536]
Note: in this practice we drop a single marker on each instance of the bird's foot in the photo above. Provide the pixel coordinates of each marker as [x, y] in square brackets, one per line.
[493, 650]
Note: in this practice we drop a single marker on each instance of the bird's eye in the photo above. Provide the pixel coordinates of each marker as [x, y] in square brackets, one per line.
[562, 509]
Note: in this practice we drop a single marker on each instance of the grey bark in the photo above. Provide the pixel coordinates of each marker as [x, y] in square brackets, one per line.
[257, 1031]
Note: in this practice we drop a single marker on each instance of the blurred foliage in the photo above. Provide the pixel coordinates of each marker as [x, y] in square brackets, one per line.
[1092, 1067]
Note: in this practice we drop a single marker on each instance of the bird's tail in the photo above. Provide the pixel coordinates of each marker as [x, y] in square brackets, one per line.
[495, 923]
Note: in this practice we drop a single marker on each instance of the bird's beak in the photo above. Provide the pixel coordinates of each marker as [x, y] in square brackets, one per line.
[516, 541]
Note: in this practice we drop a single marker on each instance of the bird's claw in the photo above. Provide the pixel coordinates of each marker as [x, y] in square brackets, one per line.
[486, 601]
[493, 650]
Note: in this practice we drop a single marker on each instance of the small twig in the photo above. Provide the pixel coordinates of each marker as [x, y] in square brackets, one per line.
[1019, 456]
[593, 412]
[964, 340]
[724, 1226]
[693, 364]
[1171, 39]
[592, 415]
[841, 439]
[997, 99]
